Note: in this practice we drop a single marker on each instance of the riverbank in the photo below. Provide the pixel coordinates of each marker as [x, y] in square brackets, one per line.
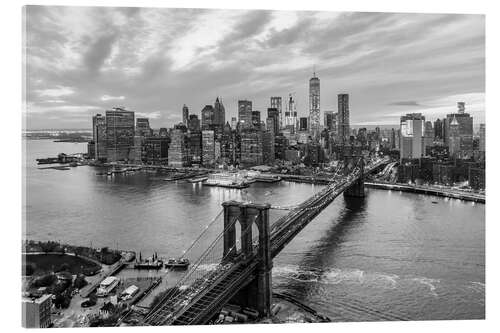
[440, 192]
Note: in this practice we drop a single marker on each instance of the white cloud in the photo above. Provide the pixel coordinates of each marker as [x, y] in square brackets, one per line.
[112, 98]
[207, 31]
[150, 115]
[55, 92]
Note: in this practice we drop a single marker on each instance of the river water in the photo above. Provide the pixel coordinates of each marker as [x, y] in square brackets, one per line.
[390, 256]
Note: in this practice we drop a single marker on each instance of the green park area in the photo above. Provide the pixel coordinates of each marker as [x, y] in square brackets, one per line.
[39, 264]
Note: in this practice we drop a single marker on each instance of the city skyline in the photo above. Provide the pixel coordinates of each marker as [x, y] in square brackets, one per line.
[138, 58]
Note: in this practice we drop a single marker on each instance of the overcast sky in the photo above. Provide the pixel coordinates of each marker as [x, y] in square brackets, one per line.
[83, 60]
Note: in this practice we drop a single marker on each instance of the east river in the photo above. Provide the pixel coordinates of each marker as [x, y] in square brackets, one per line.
[391, 256]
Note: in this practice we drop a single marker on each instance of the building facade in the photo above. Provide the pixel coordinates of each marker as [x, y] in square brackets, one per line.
[36, 312]
[276, 103]
[178, 150]
[208, 148]
[245, 113]
[314, 104]
[99, 136]
[120, 131]
[412, 127]
[344, 129]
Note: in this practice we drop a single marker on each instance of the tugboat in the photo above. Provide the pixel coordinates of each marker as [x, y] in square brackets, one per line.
[173, 263]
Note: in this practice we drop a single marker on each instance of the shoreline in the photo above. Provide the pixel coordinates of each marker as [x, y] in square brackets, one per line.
[428, 191]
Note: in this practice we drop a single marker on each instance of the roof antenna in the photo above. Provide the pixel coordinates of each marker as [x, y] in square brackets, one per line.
[314, 70]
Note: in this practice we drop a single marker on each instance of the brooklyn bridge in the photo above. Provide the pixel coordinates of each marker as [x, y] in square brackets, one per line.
[237, 265]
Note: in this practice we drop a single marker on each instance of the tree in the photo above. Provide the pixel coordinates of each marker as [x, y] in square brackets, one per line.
[79, 282]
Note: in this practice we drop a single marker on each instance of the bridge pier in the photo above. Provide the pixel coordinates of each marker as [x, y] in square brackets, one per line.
[257, 294]
[357, 190]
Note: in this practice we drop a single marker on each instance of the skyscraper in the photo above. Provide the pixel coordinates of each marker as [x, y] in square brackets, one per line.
[428, 135]
[178, 150]
[251, 147]
[219, 113]
[465, 130]
[142, 127]
[120, 130]
[99, 136]
[314, 102]
[208, 148]
[268, 147]
[275, 115]
[438, 129]
[207, 117]
[245, 112]
[412, 134]
[454, 138]
[256, 118]
[193, 123]
[330, 120]
[343, 119]
[194, 146]
[303, 124]
[482, 137]
[185, 115]
[276, 104]
[291, 113]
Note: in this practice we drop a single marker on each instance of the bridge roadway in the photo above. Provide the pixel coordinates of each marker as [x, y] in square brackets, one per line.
[201, 302]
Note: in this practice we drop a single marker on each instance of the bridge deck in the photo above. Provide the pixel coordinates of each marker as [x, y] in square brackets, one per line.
[217, 289]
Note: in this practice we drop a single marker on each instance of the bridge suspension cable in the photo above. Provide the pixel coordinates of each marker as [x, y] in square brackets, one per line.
[180, 296]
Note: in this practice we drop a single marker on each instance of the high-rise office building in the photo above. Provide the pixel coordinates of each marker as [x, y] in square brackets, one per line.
[99, 136]
[234, 122]
[193, 123]
[251, 147]
[268, 147]
[227, 145]
[314, 104]
[270, 125]
[178, 150]
[482, 137]
[428, 135]
[276, 104]
[194, 147]
[245, 113]
[291, 113]
[207, 117]
[275, 115]
[208, 148]
[219, 113]
[412, 135]
[461, 107]
[163, 131]
[344, 130]
[438, 129]
[454, 138]
[142, 127]
[155, 149]
[185, 115]
[303, 124]
[330, 120]
[256, 118]
[120, 131]
[465, 129]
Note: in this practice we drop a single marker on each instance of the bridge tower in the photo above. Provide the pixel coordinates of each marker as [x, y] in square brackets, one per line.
[257, 293]
[357, 190]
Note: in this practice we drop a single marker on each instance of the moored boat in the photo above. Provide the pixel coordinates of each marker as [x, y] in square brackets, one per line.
[182, 263]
